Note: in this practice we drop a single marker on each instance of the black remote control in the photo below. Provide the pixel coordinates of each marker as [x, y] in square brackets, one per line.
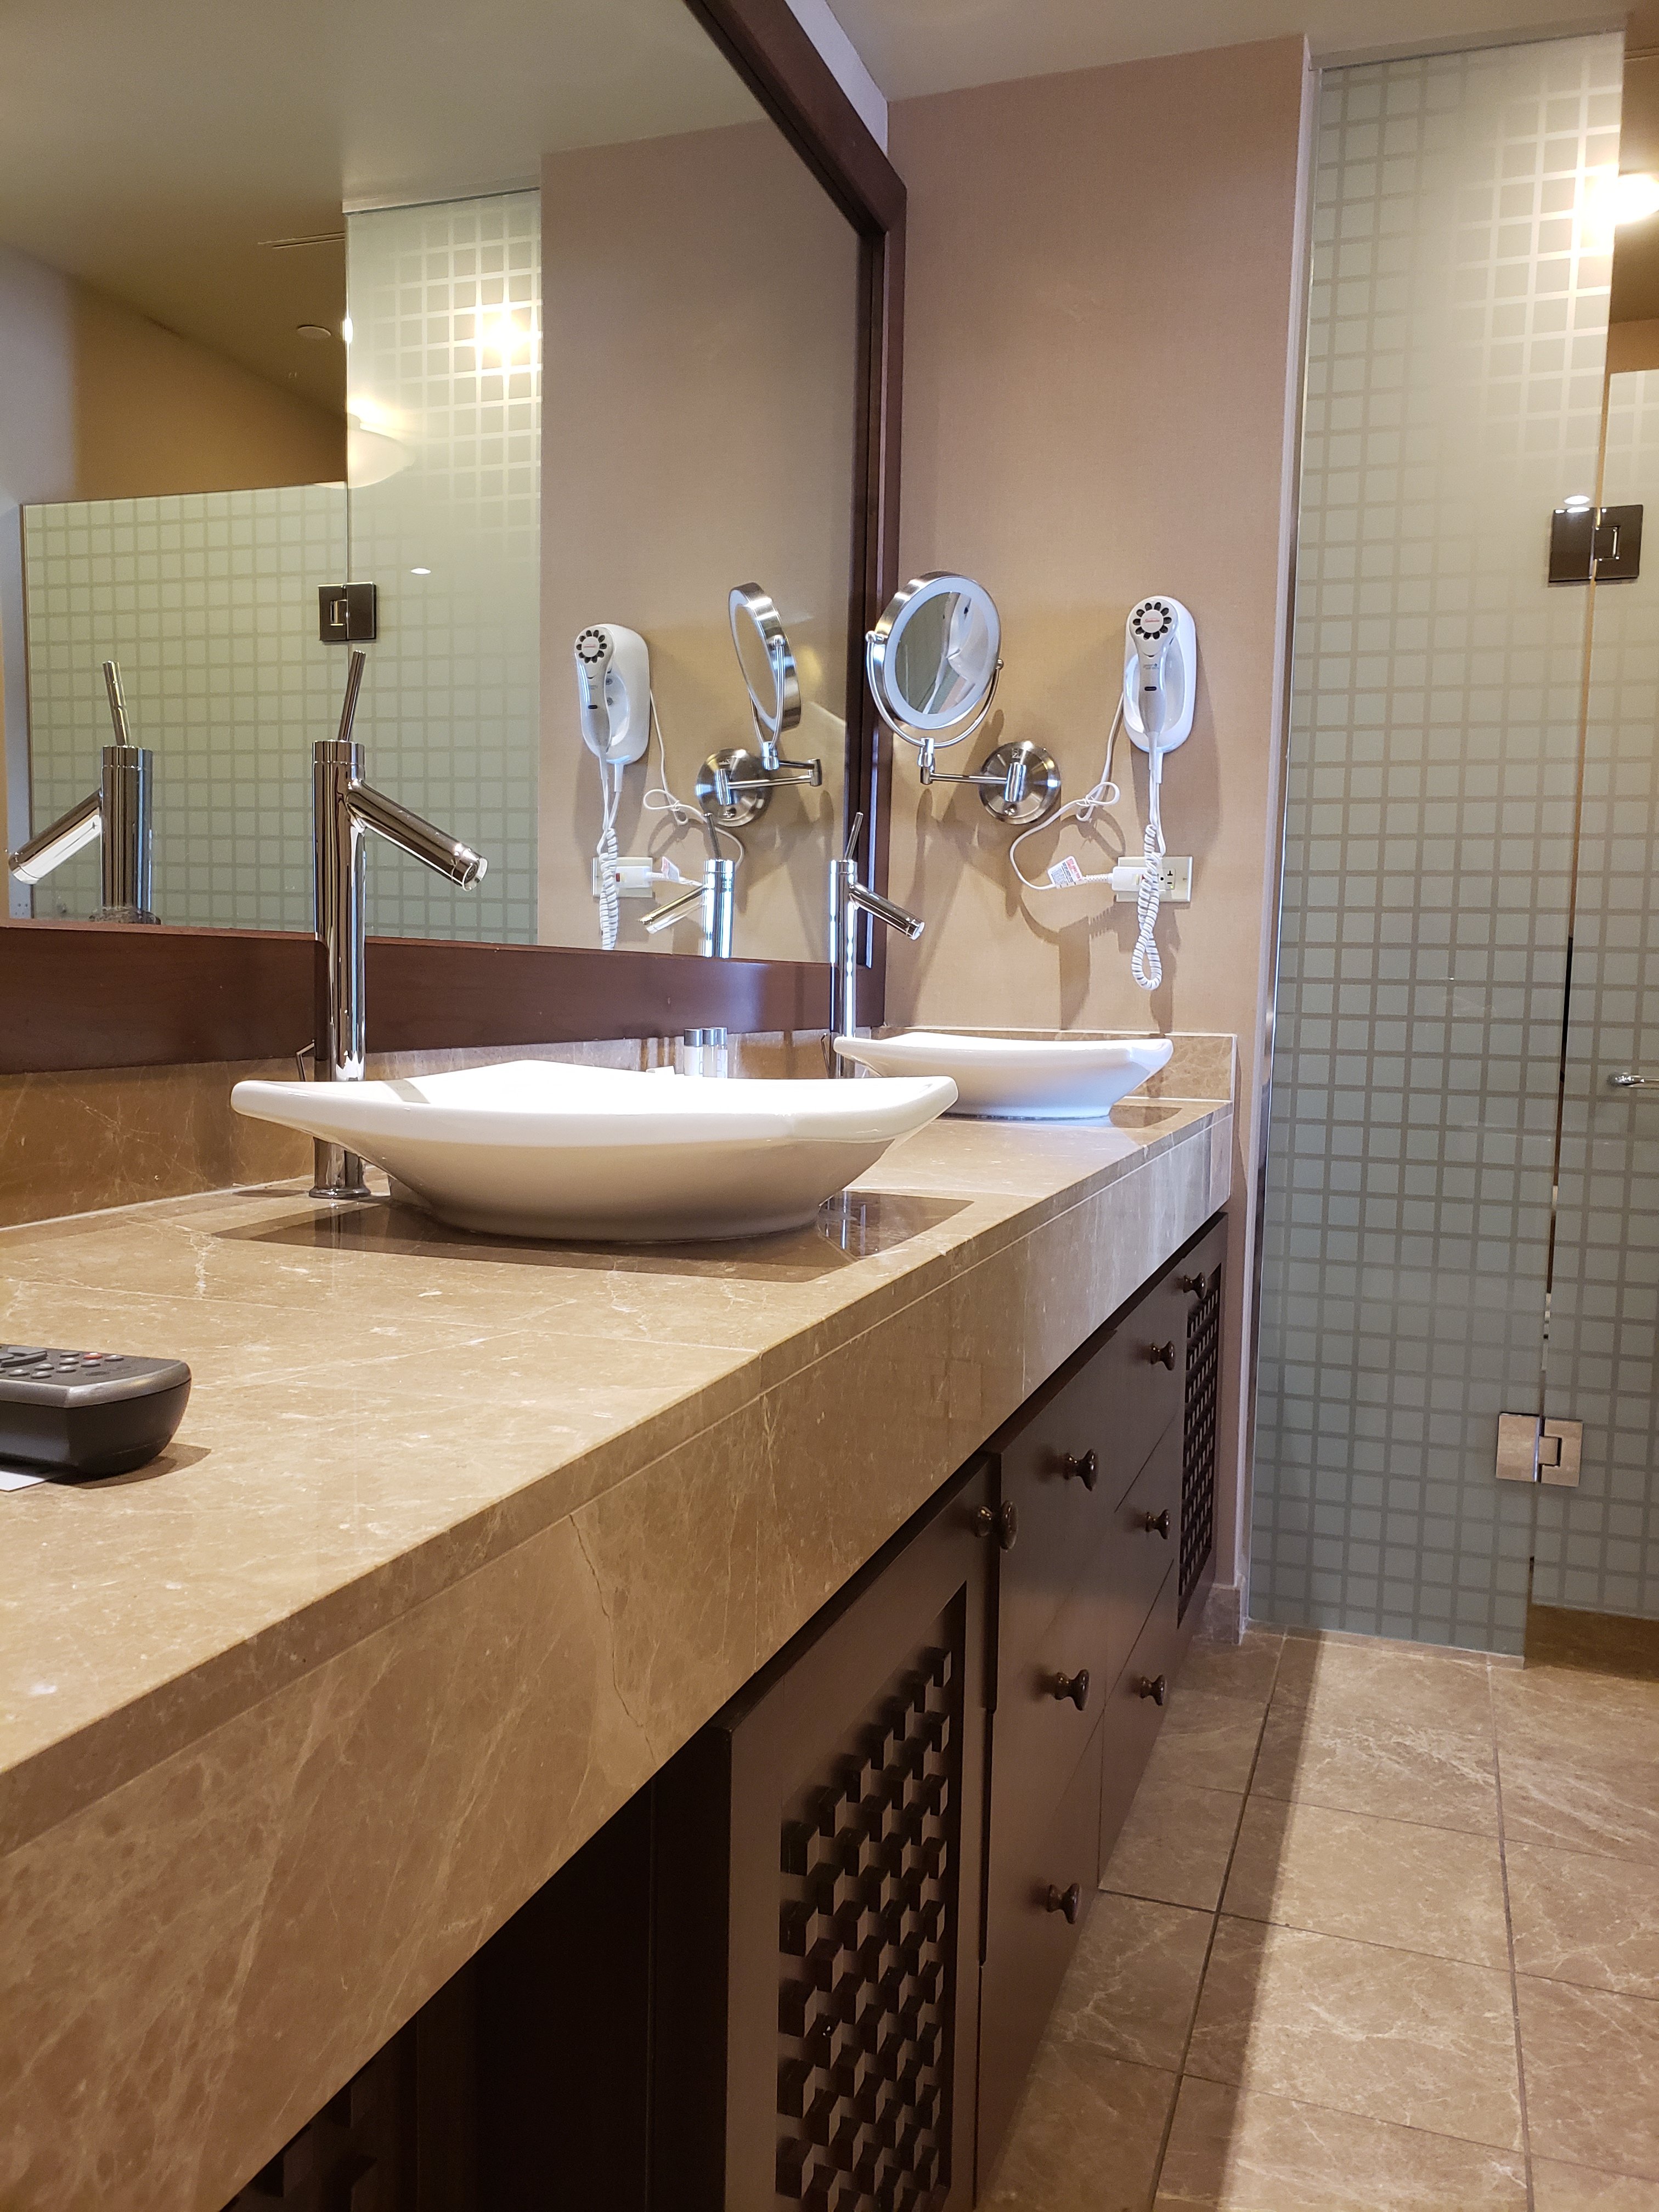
[87, 1413]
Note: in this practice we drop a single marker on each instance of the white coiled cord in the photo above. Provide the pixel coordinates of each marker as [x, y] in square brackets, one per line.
[610, 777]
[1144, 964]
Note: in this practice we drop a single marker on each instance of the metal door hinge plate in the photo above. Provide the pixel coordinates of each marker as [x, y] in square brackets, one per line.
[1531, 1450]
[1603, 544]
[348, 614]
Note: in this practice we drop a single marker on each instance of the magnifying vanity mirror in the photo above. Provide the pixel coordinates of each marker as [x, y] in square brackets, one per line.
[447, 361]
[735, 786]
[933, 662]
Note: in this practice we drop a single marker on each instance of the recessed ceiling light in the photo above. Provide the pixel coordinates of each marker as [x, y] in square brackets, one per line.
[1635, 197]
[314, 331]
[420, 572]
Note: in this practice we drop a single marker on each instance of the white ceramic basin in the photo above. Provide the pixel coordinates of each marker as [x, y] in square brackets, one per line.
[540, 1148]
[1023, 1079]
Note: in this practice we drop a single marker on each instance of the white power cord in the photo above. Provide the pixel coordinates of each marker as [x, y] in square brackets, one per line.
[661, 799]
[1067, 875]
[610, 906]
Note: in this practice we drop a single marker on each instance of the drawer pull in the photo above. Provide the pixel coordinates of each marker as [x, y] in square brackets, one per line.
[1157, 1687]
[1074, 1686]
[1001, 1521]
[1085, 1470]
[1194, 1285]
[1162, 1355]
[1156, 1524]
[1069, 1901]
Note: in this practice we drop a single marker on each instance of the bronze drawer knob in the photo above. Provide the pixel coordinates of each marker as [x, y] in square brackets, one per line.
[1074, 1686]
[1156, 1524]
[1069, 1901]
[1001, 1521]
[1195, 1284]
[1085, 1470]
[1162, 1355]
[1157, 1687]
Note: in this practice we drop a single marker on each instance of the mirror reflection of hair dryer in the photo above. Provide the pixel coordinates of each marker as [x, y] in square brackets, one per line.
[613, 709]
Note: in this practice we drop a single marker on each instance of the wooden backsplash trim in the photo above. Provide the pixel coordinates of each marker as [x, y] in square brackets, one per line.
[85, 995]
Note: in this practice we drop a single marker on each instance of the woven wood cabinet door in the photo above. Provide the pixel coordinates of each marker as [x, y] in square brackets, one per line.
[819, 1853]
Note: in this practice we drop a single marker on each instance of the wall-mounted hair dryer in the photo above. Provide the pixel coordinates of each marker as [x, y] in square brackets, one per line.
[613, 708]
[1160, 683]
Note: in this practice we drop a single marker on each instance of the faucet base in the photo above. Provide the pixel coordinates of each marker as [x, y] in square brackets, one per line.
[339, 1173]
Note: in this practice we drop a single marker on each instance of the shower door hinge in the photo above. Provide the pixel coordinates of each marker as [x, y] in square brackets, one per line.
[1531, 1450]
[348, 614]
[1599, 543]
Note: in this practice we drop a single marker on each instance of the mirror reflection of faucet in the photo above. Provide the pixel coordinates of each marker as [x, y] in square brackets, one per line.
[933, 662]
[848, 898]
[734, 785]
[118, 812]
[344, 807]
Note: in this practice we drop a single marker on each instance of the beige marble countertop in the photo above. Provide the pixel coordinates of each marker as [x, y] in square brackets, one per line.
[381, 1403]
[458, 1540]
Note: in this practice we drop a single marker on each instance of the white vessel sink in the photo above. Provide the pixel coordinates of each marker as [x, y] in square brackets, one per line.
[540, 1148]
[1023, 1079]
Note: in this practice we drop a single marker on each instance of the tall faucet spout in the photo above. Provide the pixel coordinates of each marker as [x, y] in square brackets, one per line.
[848, 897]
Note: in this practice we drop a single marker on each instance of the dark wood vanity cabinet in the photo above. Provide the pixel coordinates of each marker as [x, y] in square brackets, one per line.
[810, 1964]
[1106, 1506]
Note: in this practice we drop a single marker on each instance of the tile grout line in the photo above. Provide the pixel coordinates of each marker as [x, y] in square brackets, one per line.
[1509, 1933]
[1215, 1923]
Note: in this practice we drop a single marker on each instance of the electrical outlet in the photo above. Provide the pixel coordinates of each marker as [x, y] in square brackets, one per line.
[1175, 880]
[634, 873]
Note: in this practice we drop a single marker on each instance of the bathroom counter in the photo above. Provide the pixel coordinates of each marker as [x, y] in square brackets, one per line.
[458, 1541]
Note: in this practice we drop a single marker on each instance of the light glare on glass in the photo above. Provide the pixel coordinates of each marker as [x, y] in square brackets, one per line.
[1635, 197]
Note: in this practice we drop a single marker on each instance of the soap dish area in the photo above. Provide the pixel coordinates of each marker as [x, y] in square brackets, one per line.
[1011, 1077]
[549, 1149]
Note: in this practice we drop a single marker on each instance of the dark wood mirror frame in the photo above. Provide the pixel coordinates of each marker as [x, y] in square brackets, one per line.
[85, 995]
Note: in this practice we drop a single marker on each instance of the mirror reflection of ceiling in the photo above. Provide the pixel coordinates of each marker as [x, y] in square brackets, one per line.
[912, 46]
[1636, 245]
[156, 148]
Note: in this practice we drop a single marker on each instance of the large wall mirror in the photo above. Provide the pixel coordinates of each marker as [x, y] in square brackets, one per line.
[530, 316]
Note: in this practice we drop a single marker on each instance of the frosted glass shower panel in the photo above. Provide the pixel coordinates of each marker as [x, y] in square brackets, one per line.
[1598, 1546]
[444, 401]
[208, 602]
[1456, 345]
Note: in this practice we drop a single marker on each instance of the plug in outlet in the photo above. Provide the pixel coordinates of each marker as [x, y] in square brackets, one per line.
[637, 875]
[1175, 881]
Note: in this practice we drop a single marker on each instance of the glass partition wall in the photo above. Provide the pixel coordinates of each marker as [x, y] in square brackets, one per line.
[1455, 394]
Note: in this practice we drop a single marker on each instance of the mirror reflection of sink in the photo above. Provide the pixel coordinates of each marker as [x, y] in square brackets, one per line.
[546, 1149]
[1018, 1077]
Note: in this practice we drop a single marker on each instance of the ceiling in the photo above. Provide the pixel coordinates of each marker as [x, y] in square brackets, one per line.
[912, 46]
[150, 146]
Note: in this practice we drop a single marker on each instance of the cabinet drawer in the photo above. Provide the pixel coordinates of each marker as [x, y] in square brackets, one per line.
[1146, 1540]
[1028, 1945]
[1138, 1378]
[1133, 1716]
[1039, 1737]
[1061, 1524]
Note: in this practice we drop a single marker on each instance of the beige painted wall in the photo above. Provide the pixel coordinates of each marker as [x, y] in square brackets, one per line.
[1104, 320]
[699, 381]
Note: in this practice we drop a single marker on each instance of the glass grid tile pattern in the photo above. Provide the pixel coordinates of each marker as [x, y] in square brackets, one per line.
[208, 602]
[445, 382]
[1455, 353]
[1598, 1546]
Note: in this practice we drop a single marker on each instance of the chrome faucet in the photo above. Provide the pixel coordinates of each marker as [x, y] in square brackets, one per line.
[714, 897]
[343, 807]
[119, 811]
[848, 898]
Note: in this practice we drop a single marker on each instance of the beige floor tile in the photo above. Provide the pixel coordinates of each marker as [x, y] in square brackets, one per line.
[1237, 1671]
[1580, 1917]
[1233, 2151]
[1209, 1737]
[1402, 1682]
[1435, 1890]
[1592, 2066]
[1557, 2188]
[1086, 2137]
[1357, 1760]
[1175, 1843]
[1132, 1987]
[1578, 1755]
[1386, 2035]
